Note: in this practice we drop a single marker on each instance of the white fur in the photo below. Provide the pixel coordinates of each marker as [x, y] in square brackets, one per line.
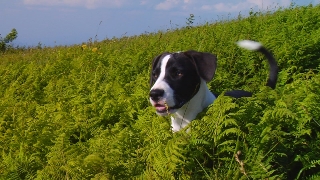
[184, 115]
[250, 45]
[190, 110]
[161, 84]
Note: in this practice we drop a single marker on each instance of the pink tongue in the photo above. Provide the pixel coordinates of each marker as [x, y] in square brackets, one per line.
[160, 108]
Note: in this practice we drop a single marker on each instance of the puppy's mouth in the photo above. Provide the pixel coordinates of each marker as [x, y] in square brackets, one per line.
[163, 109]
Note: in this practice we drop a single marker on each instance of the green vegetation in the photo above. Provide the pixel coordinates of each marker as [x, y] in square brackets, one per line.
[82, 111]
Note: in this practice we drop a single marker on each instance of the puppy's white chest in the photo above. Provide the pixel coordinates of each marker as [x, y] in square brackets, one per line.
[178, 123]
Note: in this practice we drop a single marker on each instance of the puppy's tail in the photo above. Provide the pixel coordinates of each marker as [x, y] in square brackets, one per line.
[256, 46]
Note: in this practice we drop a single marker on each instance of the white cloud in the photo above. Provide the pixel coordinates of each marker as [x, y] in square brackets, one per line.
[170, 4]
[206, 7]
[90, 4]
[167, 5]
[228, 7]
[143, 2]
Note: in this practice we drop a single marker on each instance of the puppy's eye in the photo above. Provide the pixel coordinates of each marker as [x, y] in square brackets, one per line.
[179, 73]
[155, 76]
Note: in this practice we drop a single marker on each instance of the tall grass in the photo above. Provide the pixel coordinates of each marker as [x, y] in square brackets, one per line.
[82, 111]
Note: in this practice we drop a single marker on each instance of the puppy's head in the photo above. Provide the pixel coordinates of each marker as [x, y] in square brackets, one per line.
[175, 78]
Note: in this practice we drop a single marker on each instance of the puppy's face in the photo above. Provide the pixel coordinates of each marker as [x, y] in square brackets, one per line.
[175, 80]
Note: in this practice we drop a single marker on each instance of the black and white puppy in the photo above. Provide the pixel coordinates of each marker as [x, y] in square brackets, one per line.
[178, 82]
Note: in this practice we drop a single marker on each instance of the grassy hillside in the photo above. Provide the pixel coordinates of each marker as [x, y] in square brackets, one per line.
[82, 111]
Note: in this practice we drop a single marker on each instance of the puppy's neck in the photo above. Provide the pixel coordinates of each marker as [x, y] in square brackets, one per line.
[190, 110]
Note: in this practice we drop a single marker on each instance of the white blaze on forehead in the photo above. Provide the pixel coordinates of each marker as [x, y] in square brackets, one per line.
[160, 83]
[163, 85]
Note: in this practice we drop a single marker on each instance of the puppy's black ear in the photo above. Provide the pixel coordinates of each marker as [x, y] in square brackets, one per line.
[206, 63]
[154, 64]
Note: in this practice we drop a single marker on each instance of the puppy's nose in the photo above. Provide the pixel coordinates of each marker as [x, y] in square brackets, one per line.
[156, 94]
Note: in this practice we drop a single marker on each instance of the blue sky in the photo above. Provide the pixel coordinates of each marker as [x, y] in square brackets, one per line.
[66, 22]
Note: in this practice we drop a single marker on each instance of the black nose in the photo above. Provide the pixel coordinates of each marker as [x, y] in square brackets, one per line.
[156, 94]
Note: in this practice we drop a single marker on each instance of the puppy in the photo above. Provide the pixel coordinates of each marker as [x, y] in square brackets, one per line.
[178, 82]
